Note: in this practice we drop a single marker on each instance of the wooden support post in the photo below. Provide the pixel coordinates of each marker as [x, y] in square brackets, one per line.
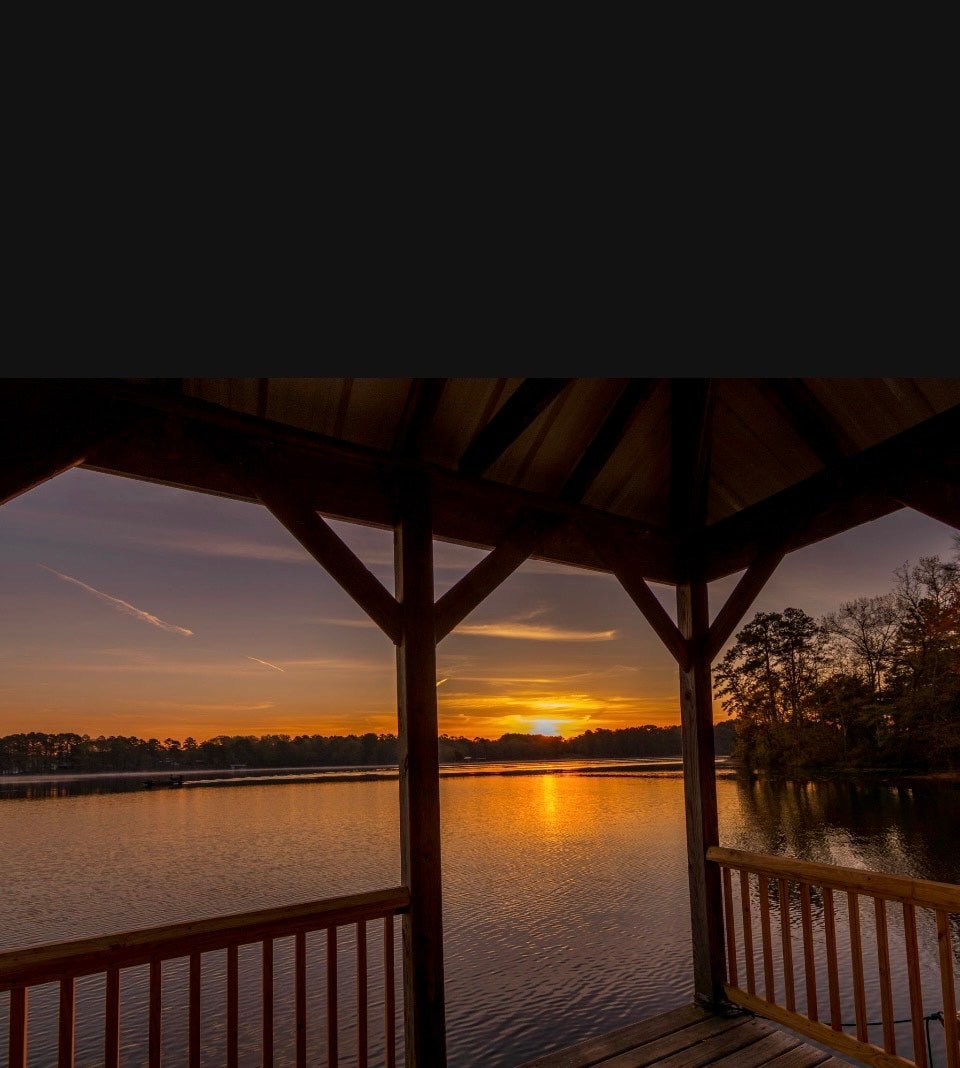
[700, 794]
[424, 1013]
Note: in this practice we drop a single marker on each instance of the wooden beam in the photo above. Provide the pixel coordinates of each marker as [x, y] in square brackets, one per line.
[938, 498]
[324, 545]
[420, 867]
[700, 795]
[422, 401]
[691, 410]
[798, 406]
[751, 583]
[461, 599]
[520, 409]
[608, 437]
[54, 434]
[802, 513]
[344, 481]
[347, 481]
[616, 555]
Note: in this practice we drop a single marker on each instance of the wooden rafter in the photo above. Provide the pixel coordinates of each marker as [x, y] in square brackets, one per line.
[323, 543]
[886, 470]
[798, 406]
[743, 595]
[422, 401]
[608, 437]
[691, 407]
[617, 556]
[482, 580]
[520, 409]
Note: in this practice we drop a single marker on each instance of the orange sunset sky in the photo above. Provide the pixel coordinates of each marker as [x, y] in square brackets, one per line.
[135, 609]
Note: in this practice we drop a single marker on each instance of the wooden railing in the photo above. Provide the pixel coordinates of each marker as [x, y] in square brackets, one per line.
[66, 962]
[781, 883]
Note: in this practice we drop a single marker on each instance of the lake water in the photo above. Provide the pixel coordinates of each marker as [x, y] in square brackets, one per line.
[565, 889]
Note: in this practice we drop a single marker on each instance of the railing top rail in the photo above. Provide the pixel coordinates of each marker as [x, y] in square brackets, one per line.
[87, 956]
[923, 892]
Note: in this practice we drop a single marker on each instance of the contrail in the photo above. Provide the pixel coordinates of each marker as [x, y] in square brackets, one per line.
[121, 605]
[265, 663]
[440, 682]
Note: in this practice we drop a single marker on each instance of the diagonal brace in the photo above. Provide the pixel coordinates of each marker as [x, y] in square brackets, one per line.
[325, 546]
[461, 599]
[617, 557]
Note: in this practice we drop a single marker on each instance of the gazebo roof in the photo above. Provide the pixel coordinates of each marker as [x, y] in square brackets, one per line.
[726, 466]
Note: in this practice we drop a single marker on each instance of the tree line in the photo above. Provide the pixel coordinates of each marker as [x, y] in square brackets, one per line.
[39, 753]
[874, 684]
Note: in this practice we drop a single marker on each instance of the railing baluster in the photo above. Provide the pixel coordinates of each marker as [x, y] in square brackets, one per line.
[108, 955]
[943, 899]
[194, 1011]
[728, 924]
[389, 997]
[155, 1018]
[300, 995]
[17, 1041]
[883, 964]
[768, 989]
[856, 960]
[67, 1023]
[786, 942]
[916, 992]
[233, 1006]
[747, 931]
[332, 1052]
[950, 1027]
[362, 994]
[267, 981]
[833, 972]
[809, 967]
[111, 1024]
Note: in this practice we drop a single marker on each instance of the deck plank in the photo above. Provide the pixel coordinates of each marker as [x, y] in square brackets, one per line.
[594, 1050]
[669, 1045]
[804, 1056]
[760, 1053]
[739, 1040]
[692, 1037]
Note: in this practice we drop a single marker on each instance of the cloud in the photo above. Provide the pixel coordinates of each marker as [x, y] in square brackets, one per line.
[547, 680]
[265, 663]
[533, 632]
[122, 606]
[216, 545]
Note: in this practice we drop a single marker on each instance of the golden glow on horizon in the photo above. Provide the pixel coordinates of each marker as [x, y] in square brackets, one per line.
[342, 711]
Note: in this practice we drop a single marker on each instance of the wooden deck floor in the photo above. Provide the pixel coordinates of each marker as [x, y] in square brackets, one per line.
[691, 1037]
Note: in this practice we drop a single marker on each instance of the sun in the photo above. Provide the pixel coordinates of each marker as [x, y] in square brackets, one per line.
[545, 726]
